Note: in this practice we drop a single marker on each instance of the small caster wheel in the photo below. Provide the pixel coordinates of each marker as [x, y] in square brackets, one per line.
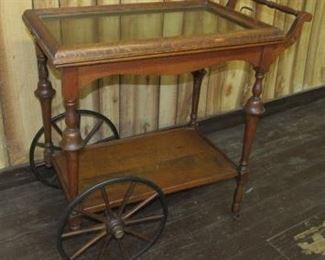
[103, 130]
[129, 215]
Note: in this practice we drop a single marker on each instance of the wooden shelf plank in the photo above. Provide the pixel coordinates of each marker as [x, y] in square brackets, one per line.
[174, 159]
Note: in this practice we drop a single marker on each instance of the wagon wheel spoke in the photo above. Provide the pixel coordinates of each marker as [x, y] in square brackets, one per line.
[84, 231]
[143, 220]
[108, 211]
[124, 255]
[139, 206]
[126, 198]
[57, 128]
[90, 215]
[93, 131]
[136, 234]
[104, 247]
[88, 244]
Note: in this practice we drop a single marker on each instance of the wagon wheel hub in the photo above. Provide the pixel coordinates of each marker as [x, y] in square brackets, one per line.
[117, 229]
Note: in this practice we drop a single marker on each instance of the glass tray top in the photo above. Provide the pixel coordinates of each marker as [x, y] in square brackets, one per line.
[100, 34]
[137, 25]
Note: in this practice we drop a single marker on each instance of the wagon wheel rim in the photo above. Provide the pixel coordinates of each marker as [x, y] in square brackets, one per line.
[46, 173]
[113, 225]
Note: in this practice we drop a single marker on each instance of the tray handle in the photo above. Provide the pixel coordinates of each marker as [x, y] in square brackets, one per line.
[296, 27]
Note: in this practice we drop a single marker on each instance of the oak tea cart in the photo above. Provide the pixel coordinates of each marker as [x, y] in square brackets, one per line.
[116, 186]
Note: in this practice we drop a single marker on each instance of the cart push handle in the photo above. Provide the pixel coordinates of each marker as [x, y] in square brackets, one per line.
[295, 29]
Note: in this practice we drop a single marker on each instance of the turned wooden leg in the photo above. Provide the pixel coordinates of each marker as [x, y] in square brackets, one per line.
[197, 82]
[45, 94]
[254, 109]
[72, 141]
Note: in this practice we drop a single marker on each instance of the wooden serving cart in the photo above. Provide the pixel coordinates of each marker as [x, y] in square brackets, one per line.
[116, 186]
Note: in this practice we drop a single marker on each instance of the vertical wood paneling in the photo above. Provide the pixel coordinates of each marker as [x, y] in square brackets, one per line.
[216, 81]
[192, 24]
[248, 77]
[184, 97]
[172, 26]
[4, 160]
[272, 90]
[167, 101]
[208, 26]
[109, 88]
[315, 62]
[232, 94]
[147, 89]
[226, 81]
[3, 143]
[127, 87]
[285, 64]
[319, 65]
[138, 104]
[299, 65]
[18, 66]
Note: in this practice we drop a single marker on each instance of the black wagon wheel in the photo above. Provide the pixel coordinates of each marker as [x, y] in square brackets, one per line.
[131, 218]
[94, 127]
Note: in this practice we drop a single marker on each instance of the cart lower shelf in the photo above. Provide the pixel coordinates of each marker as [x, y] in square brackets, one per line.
[175, 159]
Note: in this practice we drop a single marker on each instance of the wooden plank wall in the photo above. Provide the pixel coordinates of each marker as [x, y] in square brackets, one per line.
[138, 104]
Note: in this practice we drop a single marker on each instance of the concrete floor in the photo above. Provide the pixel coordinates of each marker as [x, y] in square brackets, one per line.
[283, 215]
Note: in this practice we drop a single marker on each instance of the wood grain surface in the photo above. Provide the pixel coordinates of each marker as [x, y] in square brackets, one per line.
[175, 159]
